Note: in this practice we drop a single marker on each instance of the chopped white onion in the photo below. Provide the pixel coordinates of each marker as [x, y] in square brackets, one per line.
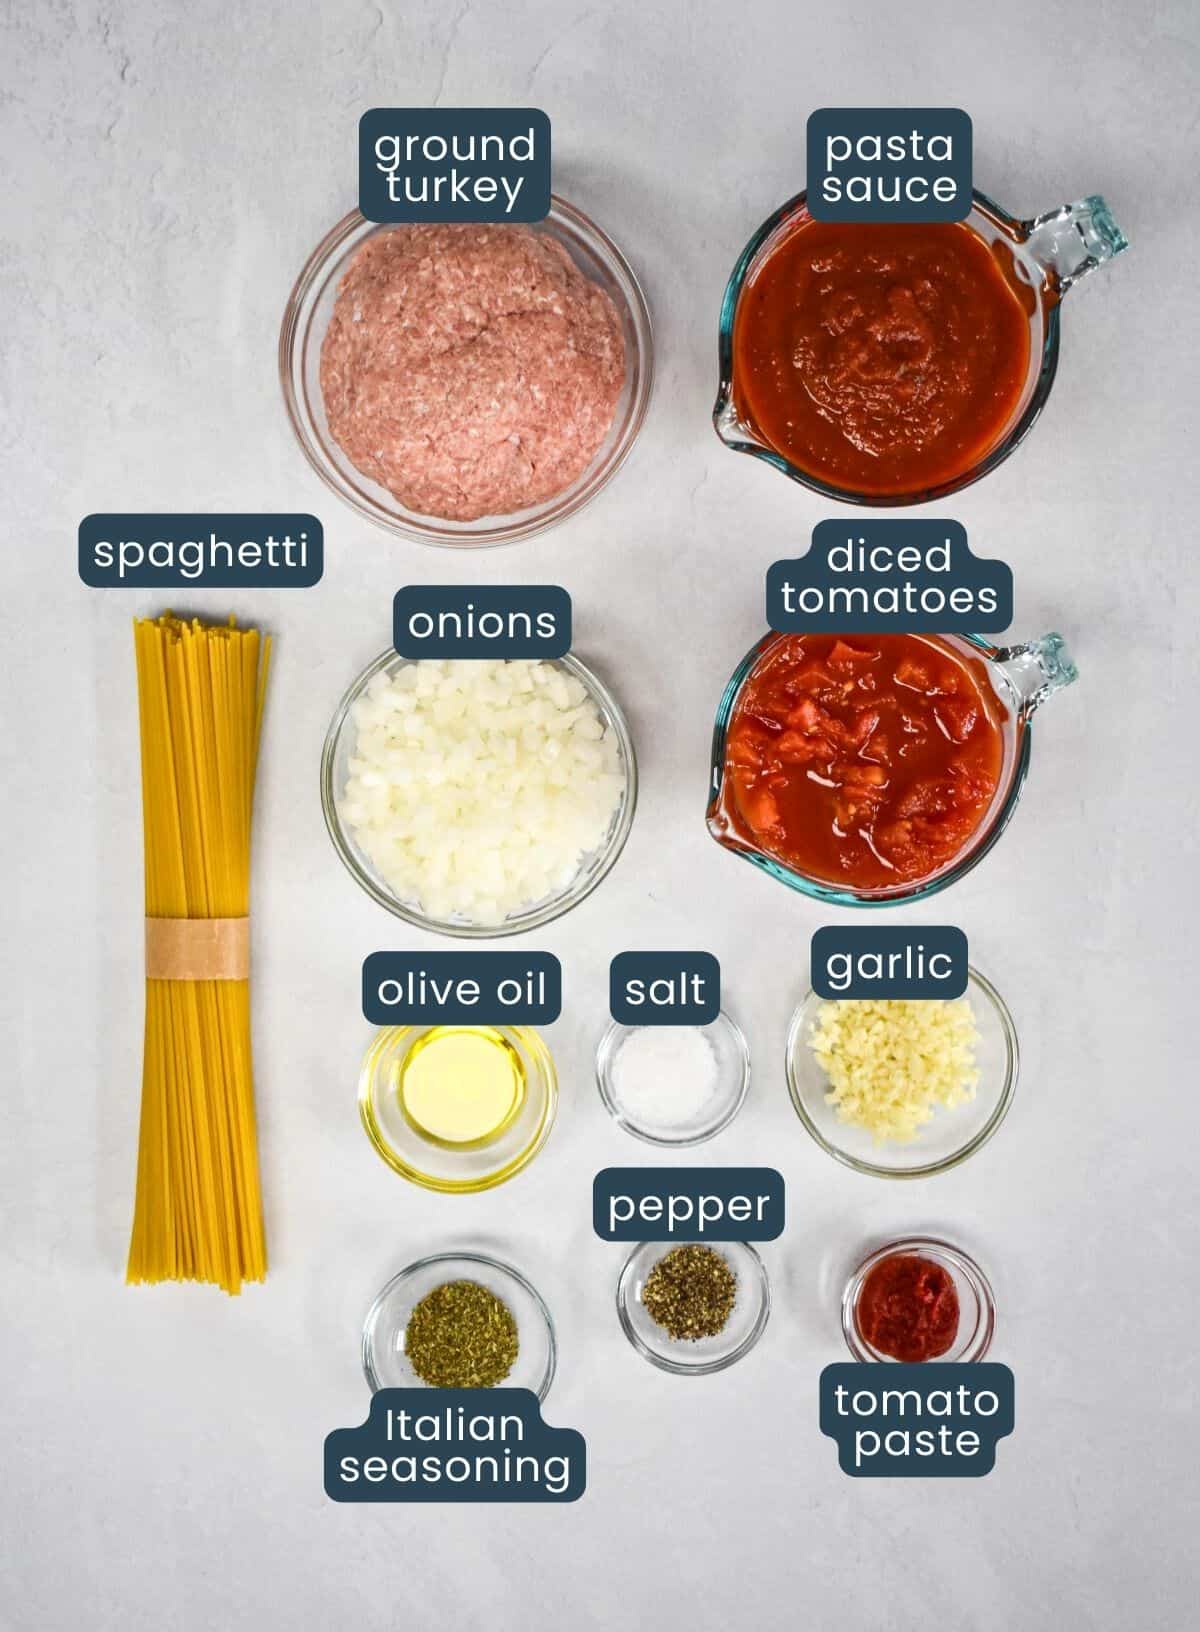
[479, 787]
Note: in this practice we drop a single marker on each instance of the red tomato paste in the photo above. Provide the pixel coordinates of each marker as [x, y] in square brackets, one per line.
[880, 358]
[908, 1308]
[862, 761]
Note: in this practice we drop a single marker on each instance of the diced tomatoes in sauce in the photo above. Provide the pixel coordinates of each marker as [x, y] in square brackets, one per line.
[865, 760]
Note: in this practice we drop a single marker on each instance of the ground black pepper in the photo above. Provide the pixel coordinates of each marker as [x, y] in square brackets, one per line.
[690, 1292]
[460, 1335]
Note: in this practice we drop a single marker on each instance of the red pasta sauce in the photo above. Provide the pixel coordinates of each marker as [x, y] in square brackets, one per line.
[881, 358]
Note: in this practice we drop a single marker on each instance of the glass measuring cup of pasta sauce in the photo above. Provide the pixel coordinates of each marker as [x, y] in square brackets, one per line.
[868, 770]
[891, 363]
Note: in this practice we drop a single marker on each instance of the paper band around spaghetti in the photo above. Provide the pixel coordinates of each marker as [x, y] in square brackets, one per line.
[197, 948]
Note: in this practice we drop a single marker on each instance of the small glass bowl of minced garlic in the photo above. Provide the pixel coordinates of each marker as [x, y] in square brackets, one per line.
[903, 1089]
[459, 1320]
[457, 1108]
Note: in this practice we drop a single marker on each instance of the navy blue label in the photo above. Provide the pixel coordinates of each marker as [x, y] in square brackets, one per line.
[474, 620]
[153, 551]
[889, 961]
[455, 1445]
[867, 577]
[664, 988]
[936, 1420]
[454, 164]
[688, 1204]
[480, 988]
[889, 164]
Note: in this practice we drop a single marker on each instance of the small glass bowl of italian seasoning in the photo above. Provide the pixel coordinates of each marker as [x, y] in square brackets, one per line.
[693, 1308]
[459, 1320]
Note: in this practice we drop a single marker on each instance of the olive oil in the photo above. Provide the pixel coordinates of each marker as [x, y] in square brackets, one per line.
[461, 1086]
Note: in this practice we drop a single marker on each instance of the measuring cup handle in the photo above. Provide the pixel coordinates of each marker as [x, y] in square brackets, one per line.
[1074, 240]
[1037, 669]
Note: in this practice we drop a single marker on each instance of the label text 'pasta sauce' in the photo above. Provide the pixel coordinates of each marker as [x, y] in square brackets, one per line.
[862, 761]
[880, 359]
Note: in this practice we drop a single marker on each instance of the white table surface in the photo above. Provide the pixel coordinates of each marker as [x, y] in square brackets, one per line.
[167, 170]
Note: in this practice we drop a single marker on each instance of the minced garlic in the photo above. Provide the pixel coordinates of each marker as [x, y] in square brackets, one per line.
[891, 1065]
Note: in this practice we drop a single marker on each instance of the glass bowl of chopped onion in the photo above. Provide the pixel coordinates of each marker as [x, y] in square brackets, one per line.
[478, 798]
[903, 1090]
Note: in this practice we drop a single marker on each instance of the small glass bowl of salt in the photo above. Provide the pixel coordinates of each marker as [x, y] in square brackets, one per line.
[673, 1085]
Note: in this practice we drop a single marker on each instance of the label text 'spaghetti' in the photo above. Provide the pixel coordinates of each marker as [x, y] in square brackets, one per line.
[186, 551]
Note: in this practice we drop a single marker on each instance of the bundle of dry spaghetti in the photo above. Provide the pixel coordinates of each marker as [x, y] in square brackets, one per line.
[198, 1212]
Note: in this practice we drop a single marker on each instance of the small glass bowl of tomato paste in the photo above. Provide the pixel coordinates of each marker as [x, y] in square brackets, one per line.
[921, 1297]
[892, 363]
[869, 770]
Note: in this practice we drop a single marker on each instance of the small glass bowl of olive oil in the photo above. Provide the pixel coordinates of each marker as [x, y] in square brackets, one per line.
[458, 1108]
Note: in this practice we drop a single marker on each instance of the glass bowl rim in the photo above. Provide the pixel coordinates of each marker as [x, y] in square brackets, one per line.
[418, 1264]
[828, 893]
[683, 1368]
[921, 1245]
[609, 1100]
[979, 982]
[724, 404]
[533, 1043]
[293, 336]
[554, 908]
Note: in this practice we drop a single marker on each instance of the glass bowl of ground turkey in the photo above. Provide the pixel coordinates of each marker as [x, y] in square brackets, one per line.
[467, 385]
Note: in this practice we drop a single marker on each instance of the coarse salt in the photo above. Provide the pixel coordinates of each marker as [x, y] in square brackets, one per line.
[663, 1077]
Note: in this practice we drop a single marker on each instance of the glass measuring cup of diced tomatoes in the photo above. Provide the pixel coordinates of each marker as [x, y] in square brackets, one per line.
[867, 770]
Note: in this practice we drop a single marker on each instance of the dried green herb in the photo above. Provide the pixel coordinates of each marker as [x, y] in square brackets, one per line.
[461, 1335]
[690, 1292]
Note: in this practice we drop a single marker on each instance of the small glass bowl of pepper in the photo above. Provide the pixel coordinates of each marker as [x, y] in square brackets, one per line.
[918, 1299]
[693, 1309]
